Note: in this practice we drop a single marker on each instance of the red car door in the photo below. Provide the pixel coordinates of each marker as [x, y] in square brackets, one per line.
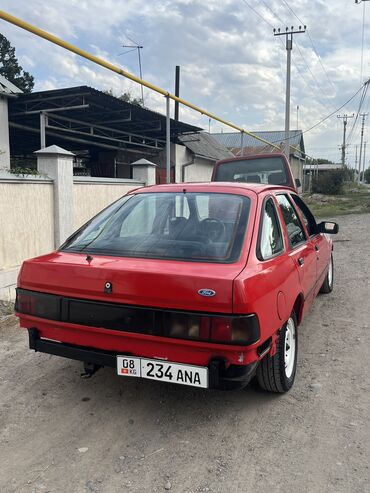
[321, 245]
[302, 248]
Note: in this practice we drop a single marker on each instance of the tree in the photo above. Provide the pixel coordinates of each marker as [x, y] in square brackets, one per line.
[10, 68]
[318, 161]
[367, 175]
[127, 97]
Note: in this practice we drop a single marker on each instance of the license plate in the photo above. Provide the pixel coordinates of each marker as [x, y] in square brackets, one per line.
[164, 371]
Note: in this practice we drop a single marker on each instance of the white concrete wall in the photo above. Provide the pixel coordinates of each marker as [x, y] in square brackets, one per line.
[26, 226]
[4, 133]
[201, 170]
[27, 220]
[297, 168]
[91, 195]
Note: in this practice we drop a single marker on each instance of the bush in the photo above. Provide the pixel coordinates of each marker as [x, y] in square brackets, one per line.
[367, 175]
[329, 182]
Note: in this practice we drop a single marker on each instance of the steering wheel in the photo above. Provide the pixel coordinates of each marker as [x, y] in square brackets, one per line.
[213, 229]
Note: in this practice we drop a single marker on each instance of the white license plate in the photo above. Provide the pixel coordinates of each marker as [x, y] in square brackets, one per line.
[164, 371]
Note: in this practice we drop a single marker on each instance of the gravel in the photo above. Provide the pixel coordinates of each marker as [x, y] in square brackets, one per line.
[141, 436]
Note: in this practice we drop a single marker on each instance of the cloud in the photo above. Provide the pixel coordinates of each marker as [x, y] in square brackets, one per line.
[231, 64]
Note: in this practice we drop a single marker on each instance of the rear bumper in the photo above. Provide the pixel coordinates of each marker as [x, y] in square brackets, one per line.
[231, 378]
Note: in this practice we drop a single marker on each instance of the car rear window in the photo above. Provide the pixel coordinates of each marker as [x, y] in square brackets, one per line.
[186, 226]
[271, 170]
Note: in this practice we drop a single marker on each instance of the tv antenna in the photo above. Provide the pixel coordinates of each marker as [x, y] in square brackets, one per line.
[133, 47]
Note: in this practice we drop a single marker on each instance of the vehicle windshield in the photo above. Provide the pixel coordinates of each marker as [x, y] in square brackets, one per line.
[270, 170]
[207, 227]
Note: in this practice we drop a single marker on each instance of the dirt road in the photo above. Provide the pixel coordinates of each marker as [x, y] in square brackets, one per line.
[60, 433]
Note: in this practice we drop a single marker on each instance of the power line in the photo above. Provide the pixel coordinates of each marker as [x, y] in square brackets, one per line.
[318, 88]
[312, 44]
[362, 99]
[257, 13]
[328, 116]
[272, 12]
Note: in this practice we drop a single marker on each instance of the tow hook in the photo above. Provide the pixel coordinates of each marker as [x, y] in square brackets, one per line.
[89, 370]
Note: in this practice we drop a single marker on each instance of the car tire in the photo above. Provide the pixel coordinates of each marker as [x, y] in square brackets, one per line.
[276, 373]
[327, 286]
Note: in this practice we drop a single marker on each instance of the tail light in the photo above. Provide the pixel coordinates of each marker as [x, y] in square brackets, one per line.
[234, 329]
[229, 330]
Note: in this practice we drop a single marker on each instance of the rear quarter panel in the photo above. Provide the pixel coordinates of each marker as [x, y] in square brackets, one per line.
[268, 288]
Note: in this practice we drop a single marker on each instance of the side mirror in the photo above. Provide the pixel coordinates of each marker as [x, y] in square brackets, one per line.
[298, 182]
[328, 227]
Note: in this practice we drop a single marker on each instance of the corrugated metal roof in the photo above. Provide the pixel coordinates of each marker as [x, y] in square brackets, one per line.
[204, 145]
[8, 87]
[233, 139]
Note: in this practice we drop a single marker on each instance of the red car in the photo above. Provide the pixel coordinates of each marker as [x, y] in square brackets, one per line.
[271, 168]
[201, 284]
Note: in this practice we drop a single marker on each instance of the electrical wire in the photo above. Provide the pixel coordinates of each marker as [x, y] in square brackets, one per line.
[272, 12]
[257, 13]
[351, 133]
[295, 65]
[312, 44]
[364, 86]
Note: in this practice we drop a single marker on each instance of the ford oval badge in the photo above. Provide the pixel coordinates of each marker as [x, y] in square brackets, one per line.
[206, 292]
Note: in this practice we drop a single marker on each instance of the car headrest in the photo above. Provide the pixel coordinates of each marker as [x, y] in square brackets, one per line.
[253, 179]
[276, 178]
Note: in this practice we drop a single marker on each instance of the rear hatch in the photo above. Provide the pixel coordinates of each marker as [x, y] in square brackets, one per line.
[134, 281]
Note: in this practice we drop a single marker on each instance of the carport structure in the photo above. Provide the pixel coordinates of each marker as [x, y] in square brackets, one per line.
[112, 133]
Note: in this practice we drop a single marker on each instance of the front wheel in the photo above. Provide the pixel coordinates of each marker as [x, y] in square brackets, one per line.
[276, 373]
[328, 283]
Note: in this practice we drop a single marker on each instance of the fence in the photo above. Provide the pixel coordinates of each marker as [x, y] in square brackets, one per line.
[39, 212]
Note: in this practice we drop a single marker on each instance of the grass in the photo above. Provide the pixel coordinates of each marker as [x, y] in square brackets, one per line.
[355, 199]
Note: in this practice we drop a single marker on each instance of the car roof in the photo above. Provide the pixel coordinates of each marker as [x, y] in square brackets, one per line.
[214, 186]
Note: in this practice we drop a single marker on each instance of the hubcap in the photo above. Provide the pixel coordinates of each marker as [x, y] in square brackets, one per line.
[330, 273]
[289, 347]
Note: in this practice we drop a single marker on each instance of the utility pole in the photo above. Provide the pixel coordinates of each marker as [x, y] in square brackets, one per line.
[177, 90]
[289, 46]
[297, 116]
[363, 164]
[363, 34]
[345, 119]
[361, 142]
[355, 163]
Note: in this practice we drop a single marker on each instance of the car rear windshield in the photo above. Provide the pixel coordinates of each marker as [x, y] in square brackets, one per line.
[270, 170]
[206, 227]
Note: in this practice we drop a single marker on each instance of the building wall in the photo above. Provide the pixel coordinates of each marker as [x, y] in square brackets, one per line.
[297, 168]
[201, 171]
[4, 133]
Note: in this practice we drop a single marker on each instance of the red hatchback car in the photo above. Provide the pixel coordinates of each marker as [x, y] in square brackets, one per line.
[200, 284]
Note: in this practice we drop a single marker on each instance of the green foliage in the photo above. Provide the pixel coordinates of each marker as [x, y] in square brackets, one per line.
[23, 171]
[367, 175]
[318, 161]
[10, 68]
[127, 97]
[330, 182]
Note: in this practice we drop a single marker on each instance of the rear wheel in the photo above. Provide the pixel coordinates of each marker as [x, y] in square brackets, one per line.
[276, 373]
[327, 286]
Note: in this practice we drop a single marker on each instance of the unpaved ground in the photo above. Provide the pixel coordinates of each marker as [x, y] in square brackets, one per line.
[59, 433]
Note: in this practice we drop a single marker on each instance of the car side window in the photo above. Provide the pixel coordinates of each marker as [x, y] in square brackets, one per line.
[307, 215]
[293, 224]
[270, 238]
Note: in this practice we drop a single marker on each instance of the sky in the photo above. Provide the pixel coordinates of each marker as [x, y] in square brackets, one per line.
[231, 64]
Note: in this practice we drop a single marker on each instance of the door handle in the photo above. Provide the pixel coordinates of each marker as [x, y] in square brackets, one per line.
[301, 261]
[317, 248]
